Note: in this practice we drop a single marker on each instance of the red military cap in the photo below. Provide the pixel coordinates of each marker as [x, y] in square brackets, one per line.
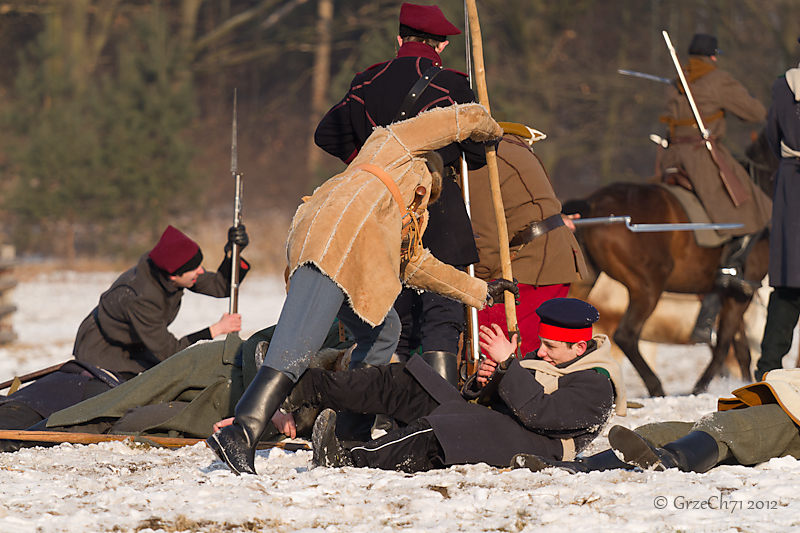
[426, 19]
[566, 319]
[175, 253]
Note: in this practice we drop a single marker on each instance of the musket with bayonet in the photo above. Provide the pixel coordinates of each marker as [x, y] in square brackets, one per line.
[237, 213]
[733, 186]
[638, 228]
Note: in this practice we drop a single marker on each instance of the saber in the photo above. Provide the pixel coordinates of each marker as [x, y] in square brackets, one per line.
[647, 228]
[644, 75]
[733, 186]
[237, 212]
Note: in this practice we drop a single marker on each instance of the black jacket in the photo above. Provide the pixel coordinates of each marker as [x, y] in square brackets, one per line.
[127, 332]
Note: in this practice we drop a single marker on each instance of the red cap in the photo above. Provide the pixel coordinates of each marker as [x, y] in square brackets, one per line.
[428, 19]
[175, 250]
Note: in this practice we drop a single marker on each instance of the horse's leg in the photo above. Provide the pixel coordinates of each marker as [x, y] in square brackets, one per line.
[741, 349]
[640, 306]
[730, 321]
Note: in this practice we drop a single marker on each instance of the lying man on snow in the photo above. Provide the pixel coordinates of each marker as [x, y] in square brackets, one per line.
[352, 246]
[759, 423]
[553, 405]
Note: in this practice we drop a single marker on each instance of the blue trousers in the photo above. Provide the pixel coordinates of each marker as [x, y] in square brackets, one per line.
[311, 305]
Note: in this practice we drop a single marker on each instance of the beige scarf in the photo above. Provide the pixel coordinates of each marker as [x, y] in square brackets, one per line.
[548, 375]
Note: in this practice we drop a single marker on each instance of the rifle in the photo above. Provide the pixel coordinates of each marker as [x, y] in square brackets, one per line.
[494, 174]
[237, 213]
[733, 186]
[31, 376]
[60, 437]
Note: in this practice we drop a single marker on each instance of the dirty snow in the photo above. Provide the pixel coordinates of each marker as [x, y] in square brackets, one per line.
[120, 487]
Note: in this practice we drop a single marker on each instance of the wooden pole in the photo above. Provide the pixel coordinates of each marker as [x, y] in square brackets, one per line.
[60, 437]
[494, 174]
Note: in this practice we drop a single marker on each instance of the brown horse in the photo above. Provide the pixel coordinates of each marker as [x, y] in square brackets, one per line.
[648, 264]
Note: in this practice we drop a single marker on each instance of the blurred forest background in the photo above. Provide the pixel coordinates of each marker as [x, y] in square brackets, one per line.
[116, 114]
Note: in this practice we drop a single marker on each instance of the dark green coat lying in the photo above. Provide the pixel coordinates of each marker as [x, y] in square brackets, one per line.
[181, 397]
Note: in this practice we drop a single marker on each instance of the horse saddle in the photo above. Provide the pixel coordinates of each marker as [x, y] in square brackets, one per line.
[696, 212]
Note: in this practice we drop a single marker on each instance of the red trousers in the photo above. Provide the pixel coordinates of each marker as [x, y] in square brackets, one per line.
[530, 298]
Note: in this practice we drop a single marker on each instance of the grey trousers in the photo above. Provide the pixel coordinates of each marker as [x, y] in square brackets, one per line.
[312, 303]
[751, 435]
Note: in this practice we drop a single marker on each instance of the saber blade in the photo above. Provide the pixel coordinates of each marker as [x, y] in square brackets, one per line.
[645, 228]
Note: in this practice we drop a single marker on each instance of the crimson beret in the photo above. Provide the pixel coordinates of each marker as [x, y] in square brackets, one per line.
[426, 19]
[175, 253]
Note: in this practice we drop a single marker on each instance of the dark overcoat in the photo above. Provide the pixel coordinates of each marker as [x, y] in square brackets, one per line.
[783, 126]
[127, 332]
[522, 417]
[717, 95]
[374, 98]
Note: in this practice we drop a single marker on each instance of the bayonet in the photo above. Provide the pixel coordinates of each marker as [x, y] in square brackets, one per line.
[644, 75]
[237, 211]
[638, 228]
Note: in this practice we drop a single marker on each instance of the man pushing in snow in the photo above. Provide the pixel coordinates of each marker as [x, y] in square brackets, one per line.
[352, 246]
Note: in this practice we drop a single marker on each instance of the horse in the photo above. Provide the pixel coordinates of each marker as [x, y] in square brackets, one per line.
[648, 264]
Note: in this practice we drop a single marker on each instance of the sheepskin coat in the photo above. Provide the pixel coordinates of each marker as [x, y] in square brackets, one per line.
[350, 228]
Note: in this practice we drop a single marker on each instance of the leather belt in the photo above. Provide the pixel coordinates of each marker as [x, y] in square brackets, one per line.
[536, 229]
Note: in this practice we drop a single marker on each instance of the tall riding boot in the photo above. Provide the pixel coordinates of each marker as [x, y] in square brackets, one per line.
[696, 452]
[731, 267]
[445, 364]
[236, 444]
[705, 327]
[599, 462]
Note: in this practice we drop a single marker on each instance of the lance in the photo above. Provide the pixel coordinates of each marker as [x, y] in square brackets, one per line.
[237, 212]
[494, 175]
[638, 228]
[61, 437]
[733, 186]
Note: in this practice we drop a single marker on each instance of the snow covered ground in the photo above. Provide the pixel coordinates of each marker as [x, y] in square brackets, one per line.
[120, 487]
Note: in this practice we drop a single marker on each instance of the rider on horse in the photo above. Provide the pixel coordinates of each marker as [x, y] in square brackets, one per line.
[688, 162]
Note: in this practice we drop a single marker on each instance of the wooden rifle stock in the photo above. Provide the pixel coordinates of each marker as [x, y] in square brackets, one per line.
[32, 375]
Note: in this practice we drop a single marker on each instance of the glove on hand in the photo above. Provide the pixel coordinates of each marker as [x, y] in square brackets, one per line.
[237, 235]
[497, 287]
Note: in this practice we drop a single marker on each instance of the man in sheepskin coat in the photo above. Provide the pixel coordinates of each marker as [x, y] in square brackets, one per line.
[352, 246]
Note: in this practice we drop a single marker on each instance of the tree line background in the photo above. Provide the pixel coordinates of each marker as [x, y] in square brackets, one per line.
[115, 115]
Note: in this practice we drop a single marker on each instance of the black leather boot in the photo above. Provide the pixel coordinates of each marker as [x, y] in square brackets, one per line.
[696, 452]
[705, 331]
[445, 364]
[599, 462]
[328, 451]
[731, 267]
[236, 444]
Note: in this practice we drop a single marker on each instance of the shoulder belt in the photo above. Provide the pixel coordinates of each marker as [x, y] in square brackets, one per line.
[414, 93]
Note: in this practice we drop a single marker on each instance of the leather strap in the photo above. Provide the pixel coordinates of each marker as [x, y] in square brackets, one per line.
[386, 179]
[414, 93]
[536, 229]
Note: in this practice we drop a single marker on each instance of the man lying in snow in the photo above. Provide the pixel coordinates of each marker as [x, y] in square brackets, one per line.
[553, 405]
[759, 423]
